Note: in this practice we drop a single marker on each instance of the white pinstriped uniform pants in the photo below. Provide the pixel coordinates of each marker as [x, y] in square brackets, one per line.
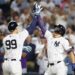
[57, 69]
[12, 67]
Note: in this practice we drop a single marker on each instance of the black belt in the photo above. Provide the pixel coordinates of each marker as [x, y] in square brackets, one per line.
[10, 59]
[54, 63]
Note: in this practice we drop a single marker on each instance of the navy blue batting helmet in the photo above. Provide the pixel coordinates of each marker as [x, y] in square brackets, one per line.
[60, 29]
[12, 26]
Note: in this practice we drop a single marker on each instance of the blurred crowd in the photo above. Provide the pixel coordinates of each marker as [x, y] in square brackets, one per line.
[54, 12]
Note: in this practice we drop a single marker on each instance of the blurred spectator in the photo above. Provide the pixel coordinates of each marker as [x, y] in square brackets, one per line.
[31, 56]
[71, 34]
[1, 38]
[71, 37]
[26, 15]
[46, 20]
[36, 39]
[16, 17]
[1, 17]
[71, 16]
[28, 21]
[1, 51]
[57, 2]
[43, 61]
[46, 16]
[43, 3]
[4, 1]
[65, 5]
[52, 22]
[17, 5]
[31, 2]
[40, 43]
[5, 6]
[60, 17]
[50, 4]
[73, 0]
[4, 27]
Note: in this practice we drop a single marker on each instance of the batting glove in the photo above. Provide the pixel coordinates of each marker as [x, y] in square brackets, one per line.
[37, 9]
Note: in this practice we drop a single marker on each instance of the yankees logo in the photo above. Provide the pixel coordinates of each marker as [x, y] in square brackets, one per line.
[56, 43]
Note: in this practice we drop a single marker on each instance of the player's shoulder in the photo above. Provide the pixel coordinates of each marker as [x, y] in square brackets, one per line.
[23, 34]
[48, 34]
[23, 31]
[63, 40]
[47, 31]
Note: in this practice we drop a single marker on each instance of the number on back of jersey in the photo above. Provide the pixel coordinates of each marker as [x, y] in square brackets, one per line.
[11, 44]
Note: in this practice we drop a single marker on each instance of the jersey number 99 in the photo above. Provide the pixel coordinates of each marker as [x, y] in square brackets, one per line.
[11, 44]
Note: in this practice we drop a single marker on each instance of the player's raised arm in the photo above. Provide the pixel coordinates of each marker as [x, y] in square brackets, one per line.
[36, 11]
[33, 25]
[37, 20]
[40, 21]
[41, 24]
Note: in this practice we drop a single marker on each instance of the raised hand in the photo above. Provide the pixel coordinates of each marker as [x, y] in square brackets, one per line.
[37, 9]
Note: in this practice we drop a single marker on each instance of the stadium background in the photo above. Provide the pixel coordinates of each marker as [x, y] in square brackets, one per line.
[54, 12]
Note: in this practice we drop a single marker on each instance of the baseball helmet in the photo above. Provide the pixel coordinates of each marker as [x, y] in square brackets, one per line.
[60, 29]
[12, 26]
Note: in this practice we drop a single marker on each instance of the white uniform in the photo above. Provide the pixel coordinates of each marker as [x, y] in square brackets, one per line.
[56, 48]
[13, 45]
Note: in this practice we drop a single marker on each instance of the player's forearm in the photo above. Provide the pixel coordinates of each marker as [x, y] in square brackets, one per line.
[68, 51]
[41, 24]
[72, 57]
[33, 25]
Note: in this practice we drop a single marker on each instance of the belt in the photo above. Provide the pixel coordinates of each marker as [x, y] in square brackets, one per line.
[9, 59]
[52, 64]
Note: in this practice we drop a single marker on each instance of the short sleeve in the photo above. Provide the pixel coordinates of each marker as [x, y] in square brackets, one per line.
[66, 45]
[48, 34]
[24, 34]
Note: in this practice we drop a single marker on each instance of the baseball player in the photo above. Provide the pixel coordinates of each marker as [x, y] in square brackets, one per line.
[13, 45]
[57, 45]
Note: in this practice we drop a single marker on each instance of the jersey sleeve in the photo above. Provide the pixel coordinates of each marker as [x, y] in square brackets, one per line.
[48, 34]
[66, 45]
[24, 34]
